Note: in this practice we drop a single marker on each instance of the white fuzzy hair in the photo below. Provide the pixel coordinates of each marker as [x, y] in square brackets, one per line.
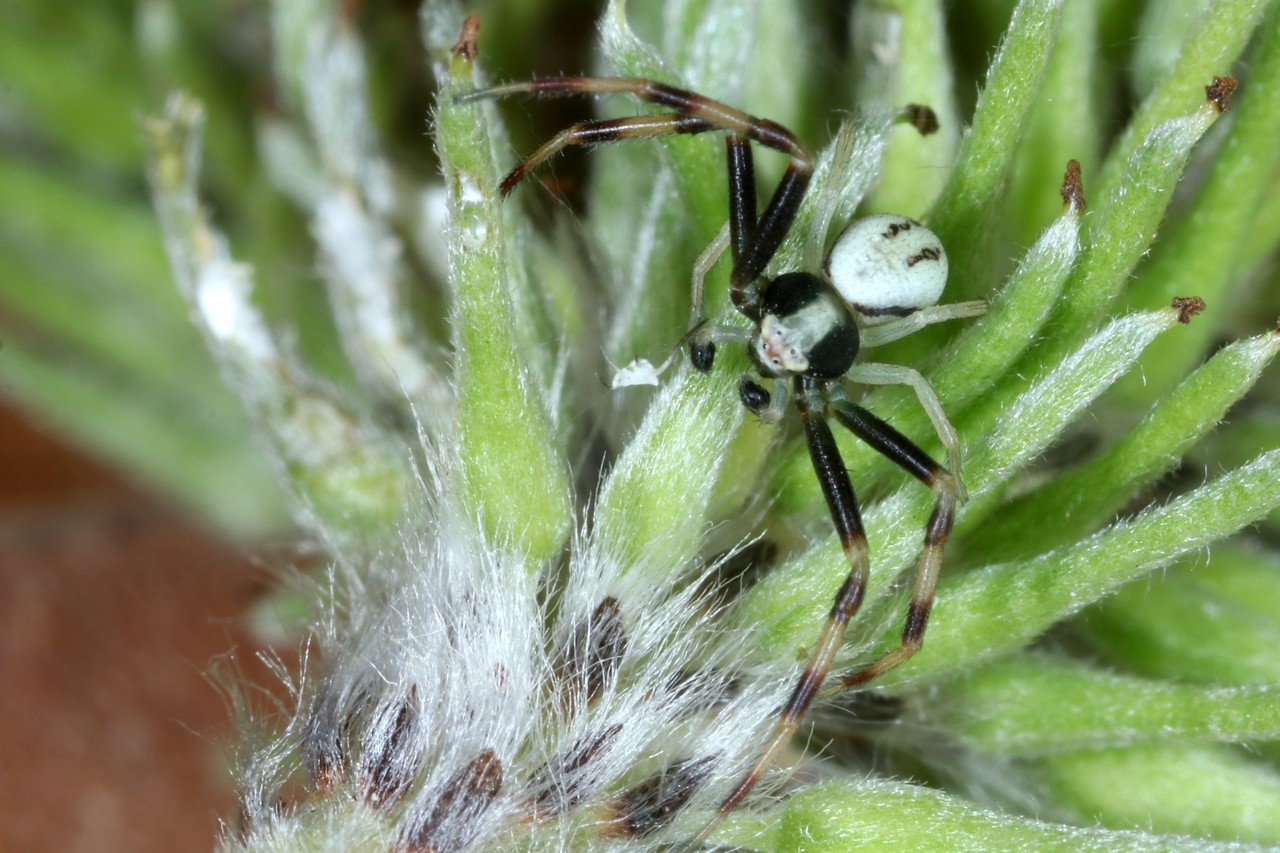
[462, 699]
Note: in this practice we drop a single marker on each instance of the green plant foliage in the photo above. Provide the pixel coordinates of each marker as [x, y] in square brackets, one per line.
[361, 319]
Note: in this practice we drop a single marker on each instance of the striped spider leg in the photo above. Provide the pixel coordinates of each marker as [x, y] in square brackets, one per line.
[881, 280]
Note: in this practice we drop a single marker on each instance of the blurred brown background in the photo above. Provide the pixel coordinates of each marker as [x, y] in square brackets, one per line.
[112, 609]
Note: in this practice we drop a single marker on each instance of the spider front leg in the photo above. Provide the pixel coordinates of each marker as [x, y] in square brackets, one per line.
[736, 233]
[604, 130]
[753, 239]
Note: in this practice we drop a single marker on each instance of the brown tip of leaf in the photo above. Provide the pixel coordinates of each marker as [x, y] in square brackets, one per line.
[1187, 307]
[1219, 92]
[1072, 191]
[921, 117]
[465, 47]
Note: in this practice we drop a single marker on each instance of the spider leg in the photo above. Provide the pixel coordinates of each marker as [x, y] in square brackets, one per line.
[652, 91]
[843, 504]
[770, 230]
[754, 240]
[742, 193]
[874, 336]
[903, 452]
[701, 268]
[869, 373]
[604, 130]
[736, 235]
[683, 102]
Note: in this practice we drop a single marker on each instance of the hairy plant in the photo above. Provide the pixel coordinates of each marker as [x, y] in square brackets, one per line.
[560, 616]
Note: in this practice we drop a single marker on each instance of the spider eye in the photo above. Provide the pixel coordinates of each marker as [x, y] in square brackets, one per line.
[887, 266]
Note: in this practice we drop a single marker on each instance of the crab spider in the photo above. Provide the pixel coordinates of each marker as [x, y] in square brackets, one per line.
[881, 280]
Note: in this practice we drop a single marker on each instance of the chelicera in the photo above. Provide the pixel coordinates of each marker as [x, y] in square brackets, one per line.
[881, 280]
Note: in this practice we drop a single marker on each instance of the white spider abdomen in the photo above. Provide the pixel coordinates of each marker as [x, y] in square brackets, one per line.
[887, 266]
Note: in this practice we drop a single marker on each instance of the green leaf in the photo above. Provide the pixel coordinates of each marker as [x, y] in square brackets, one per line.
[1036, 704]
[894, 816]
[518, 481]
[997, 610]
[966, 213]
[1195, 790]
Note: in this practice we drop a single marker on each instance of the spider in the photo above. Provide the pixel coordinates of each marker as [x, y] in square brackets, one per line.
[881, 280]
